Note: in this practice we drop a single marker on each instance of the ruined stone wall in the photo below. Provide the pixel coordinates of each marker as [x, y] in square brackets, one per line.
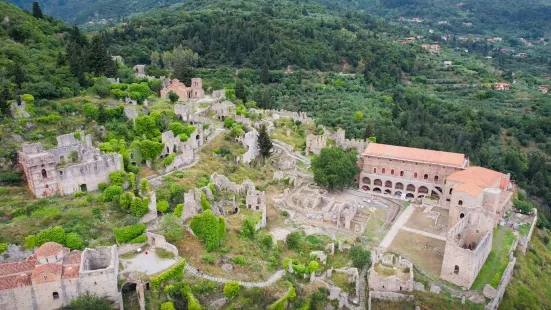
[461, 265]
[90, 174]
[505, 279]
[100, 281]
[250, 142]
[315, 143]
[256, 201]
[523, 242]
[159, 241]
[20, 298]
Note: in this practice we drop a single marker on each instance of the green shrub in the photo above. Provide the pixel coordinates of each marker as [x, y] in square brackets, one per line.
[240, 260]
[209, 229]
[280, 303]
[167, 306]
[112, 192]
[176, 271]
[162, 206]
[360, 257]
[139, 206]
[102, 186]
[139, 239]
[169, 159]
[125, 200]
[117, 177]
[128, 233]
[74, 241]
[3, 247]
[313, 266]
[179, 210]
[208, 258]
[205, 204]
[267, 241]
[231, 289]
[294, 240]
[179, 175]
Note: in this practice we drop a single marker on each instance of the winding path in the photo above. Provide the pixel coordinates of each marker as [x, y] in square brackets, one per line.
[273, 279]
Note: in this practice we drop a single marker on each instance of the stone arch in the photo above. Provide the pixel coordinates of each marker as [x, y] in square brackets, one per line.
[410, 196]
[388, 184]
[377, 190]
[366, 180]
[434, 194]
[462, 215]
[44, 174]
[378, 182]
[439, 189]
[365, 188]
[410, 188]
[423, 190]
[374, 170]
[435, 178]
[392, 172]
[383, 171]
[197, 137]
[460, 202]
[398, 194]
[399, 185]
[401, 173]
[388, 192]
[426, 177]
[415, 175]
[83, 188]
[456, 269]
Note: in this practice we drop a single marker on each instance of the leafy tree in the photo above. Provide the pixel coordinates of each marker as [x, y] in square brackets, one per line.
[265, 74]
[37, 11]
[173, 97]
[125, 200]
[89, 302]
[228, 122]
[240, 90]
[231, 289]
[102, 87]
[139, 207]
[167, 306]
[112, 192]
[294, 240]
[99, 61]
[264, 142]
[150, 149]
[334, 168]
[360, 257]
[359, 115]
[183, 72]
[209, 229]
[74, 241]
[171, 228]
[139, 91]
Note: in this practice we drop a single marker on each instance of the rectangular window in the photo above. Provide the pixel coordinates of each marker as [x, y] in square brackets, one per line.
[55, 295]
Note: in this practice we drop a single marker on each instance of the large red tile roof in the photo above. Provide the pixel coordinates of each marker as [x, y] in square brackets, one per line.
[15, 280]
[49, 249]
[482, 177]
[415, 154]
[55, 269]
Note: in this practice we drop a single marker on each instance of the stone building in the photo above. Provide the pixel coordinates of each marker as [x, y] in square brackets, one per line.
[139, 71]
[256, 200]
[315, 143]
[407, 172]
[74, 165]
[223, 110]
[477, 198]
[390, 273]
[53, 276]
[195, 91]
[502, 86]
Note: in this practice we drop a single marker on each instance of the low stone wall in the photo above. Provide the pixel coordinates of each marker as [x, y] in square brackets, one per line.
[159, 241]
[505, 279]
[523, 242]
[390, 296]
[127, 248]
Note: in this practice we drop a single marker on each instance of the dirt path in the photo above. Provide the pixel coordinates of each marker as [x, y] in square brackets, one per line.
[404, 217]
[424, 233]
[273, 279]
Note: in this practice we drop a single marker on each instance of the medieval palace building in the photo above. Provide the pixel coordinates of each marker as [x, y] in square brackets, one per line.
[476, 198]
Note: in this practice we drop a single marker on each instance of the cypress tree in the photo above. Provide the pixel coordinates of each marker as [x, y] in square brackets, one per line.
[264, 142]
[240, 90]
[37, 11]
[265, 74]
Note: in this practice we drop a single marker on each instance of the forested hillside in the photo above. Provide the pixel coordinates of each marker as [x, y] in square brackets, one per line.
[77, 12]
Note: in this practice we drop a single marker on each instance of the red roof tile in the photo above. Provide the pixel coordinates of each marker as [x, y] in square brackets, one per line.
[415, 154]
[482, 177]
[16, 267]
[70, 272]
[16, 280]
[55, 269]
[49, 249]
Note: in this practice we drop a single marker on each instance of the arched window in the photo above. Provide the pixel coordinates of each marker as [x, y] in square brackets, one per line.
[460, 202]
[401, 173]
[44, 174]
[451, 189]
[426, 176]
[415, 175]
[456, 269]
[392, 171]
[462, 215]
[435, 178]
[374, 170]
[384, 170]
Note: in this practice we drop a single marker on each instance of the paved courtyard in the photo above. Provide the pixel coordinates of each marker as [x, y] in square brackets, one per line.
[147, 263]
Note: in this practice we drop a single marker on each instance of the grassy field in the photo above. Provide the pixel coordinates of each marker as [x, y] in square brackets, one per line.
[497, 260]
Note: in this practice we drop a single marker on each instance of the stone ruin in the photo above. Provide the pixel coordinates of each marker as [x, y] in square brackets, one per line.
[390, 273]
[295, 116]
[256, 200]
[219, 94]
[130, 112]
[139, 71]
[118, 59]
[73, 166]
[223, 110]
[185, 150]
[18, 109]
[315, 143]
[346, 144]
[250, 142]
[316, 205]
[186, 112]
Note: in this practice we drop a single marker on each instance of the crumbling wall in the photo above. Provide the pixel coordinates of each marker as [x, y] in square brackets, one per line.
[505, 279]
[315, 143]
